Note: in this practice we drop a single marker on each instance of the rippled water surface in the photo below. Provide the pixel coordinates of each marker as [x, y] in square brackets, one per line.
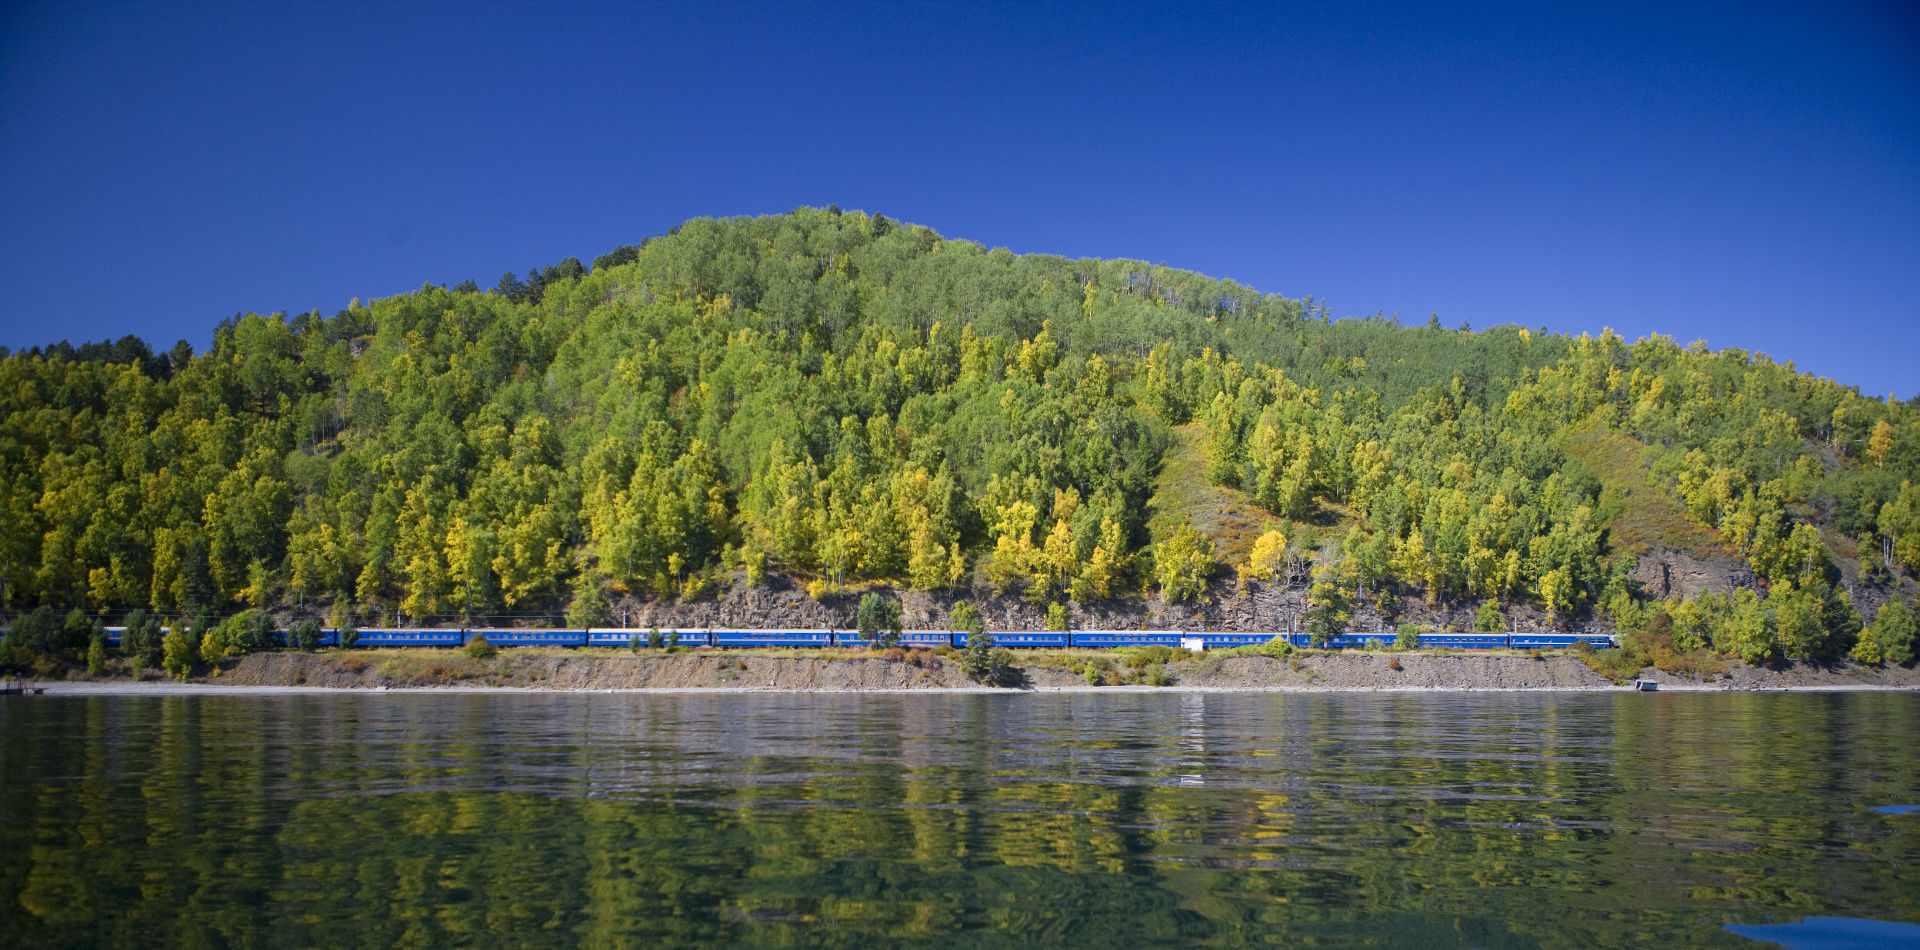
[1137, 819]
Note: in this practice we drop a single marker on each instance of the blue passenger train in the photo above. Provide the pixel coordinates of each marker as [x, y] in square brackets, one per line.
[620, 637]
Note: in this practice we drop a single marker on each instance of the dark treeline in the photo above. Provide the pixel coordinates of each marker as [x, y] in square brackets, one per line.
[849, 399]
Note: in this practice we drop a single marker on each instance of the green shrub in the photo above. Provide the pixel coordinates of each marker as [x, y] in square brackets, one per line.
[349, 635]
[36, 635]
[248, 631]
[1489, 619]
[964, 616]
[1277, 648]
[1616, 664]
[214, 642]
[97, 654]
[1142, 657]
[177, 652]
[1155, 674]
[655, 639]
[1091, 674]
[1056, 616]
[478, 648]
[1407, 637]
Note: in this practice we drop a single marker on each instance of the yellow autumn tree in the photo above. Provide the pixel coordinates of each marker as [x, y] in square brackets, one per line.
[1880, 443]
[1267, 559]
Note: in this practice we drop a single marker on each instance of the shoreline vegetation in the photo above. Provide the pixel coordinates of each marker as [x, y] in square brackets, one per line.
[542, 669]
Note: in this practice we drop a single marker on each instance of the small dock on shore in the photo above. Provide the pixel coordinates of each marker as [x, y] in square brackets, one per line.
[20, 687]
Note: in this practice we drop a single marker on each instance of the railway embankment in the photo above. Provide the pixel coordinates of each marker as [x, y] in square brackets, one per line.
[541, 668]
[908, 670]
[852, 671]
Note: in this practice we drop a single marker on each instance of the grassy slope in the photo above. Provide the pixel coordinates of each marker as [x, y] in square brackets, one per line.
[1181, 492]
[1644, 515]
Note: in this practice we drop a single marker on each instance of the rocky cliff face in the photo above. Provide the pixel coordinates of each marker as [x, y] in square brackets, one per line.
[782, 602]
[1666, 572]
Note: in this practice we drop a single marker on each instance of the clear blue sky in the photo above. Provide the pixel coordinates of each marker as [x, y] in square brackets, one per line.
[1747, 173]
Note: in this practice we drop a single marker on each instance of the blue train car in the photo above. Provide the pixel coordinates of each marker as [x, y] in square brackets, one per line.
[1465, 641]
[619, 637]
[737, 637]
[1126, 638]
[912, 638]
[412, 637]
[1595, 640]
[1541, 641]
[623, 637]
[908, 638]
[852, 638]
[531, 638]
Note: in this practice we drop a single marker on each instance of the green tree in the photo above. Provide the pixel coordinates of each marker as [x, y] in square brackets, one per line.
[141, 640]
[77, 631]
[878, 620]
[305, 635]
[1745, 630]
[979, 660]
[589, 607]
[1798, 630]
[38, 635]
[1890, 637]
[1899, 528]
[1224, 456]
[1327, 610]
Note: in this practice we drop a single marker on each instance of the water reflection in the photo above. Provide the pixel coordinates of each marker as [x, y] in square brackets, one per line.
[1079, 819]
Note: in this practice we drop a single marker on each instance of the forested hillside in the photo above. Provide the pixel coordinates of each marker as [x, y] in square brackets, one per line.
[843, 399]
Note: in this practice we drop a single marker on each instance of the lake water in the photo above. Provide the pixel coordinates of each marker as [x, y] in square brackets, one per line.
[1039, 820]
